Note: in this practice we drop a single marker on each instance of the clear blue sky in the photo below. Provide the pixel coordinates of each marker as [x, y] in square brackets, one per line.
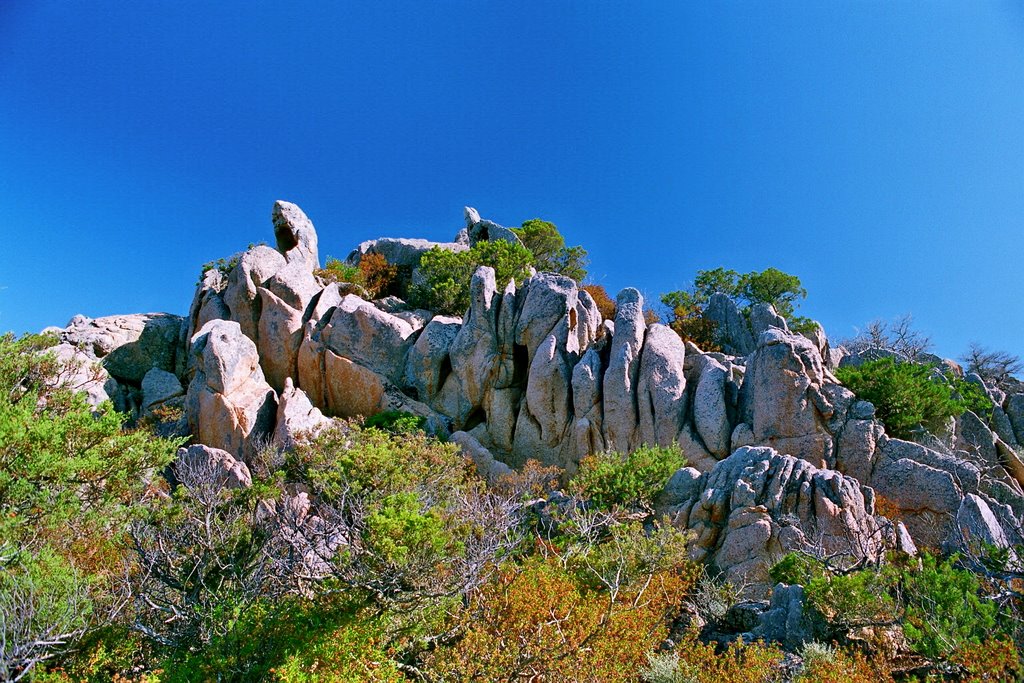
[874, 149]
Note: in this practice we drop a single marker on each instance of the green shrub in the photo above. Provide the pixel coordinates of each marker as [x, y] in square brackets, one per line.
[447, 274]
[396, 422]
[551, 255]
[796, 569]
[70, 480]
[944, 612]
[908, 396]
[292, 640]
[611, 479]
[939, 605]
[338, 271]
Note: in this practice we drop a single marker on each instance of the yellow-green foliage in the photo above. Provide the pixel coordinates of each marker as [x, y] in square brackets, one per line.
[908, 396]
[447, 274]
[612, 479]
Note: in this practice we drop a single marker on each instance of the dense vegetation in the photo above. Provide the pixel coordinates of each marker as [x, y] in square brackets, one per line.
[550, 253]
[910, 396]
[446, 274]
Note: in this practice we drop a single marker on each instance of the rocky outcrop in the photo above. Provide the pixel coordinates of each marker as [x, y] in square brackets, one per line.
[757, 505]
[230, 406]
[776, 445]
[783, 399]
[296, 238]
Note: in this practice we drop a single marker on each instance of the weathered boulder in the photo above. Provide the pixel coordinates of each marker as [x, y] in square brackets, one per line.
[782, 397]
[400, 251]
[758, 504]
[710, 412]
[296, 417]
[789, 620]
[976, 524]
[546, 328]
[280, 334]
[927, 487]
[85, 374]
[764, 317]
[488, 231]
[621, 416]
[428, 363]
[218, 466]
[661, 386]
[361, 332]
[587, 377]
[295, 235]
[159, 386]
[1015, 413]
[241, 294]
[229, 403]
[129, 345]
[486, 465]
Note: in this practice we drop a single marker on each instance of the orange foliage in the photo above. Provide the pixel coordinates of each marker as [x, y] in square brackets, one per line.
[605, 303]
[692, 326]
[993, 660]
[740, 663]
[848, 666]
[378, 275]
[537, 622]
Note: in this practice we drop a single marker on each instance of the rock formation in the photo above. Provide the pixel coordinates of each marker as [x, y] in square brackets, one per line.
[781, 455]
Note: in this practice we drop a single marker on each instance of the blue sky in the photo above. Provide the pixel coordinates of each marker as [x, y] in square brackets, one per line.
[874, 149]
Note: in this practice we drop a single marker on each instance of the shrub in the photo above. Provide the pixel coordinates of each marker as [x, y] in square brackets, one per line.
[224, 265]
[828, 664]
[447, 274]
[908, 396]
[292, 640]
[995, 659]
[70, 480]
[604, 302]
[611, 479]
[535, 621]
[378, 276]
[337, 271]
[998, 367]
[695, 662]
[396, 422]
[549, 251]
[944, 612]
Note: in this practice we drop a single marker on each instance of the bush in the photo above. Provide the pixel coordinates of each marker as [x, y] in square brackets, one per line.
[997, 367]
[695, 662]
[378, 276]
[770, 286]
[447, 274]
[536, 621]
[337, 271]
[908, 396]
[396, 422]
[549, 251]
[944, 612]
[604, 302]
[826, 664]
[633, 481]
[70, 480]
